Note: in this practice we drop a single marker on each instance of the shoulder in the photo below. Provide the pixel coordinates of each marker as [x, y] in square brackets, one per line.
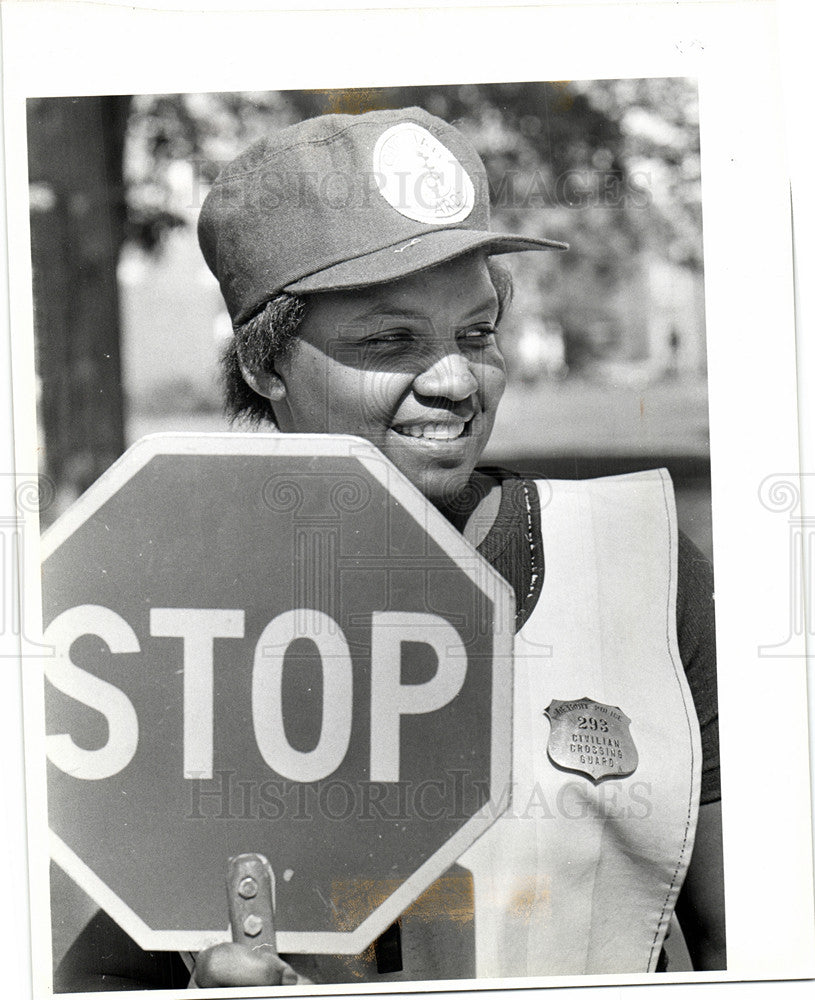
[694, 596]
[696, 634]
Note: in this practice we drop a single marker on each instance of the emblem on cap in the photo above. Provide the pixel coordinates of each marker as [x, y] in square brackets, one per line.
[419, 176]
[591, 738]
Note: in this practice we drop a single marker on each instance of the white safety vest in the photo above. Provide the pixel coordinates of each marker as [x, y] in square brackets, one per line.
[581, 876]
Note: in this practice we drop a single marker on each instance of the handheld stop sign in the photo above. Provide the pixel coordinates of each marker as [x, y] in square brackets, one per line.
[273, 644]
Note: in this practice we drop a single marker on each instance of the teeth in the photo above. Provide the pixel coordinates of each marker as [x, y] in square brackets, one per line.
[433, 432]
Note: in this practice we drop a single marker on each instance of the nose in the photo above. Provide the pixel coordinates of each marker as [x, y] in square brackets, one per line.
[449, 376]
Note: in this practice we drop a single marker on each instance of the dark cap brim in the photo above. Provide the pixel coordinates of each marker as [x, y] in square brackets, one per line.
[417, 254]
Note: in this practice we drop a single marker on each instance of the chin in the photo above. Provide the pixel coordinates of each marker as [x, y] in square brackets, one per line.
[446, 491]
[440, 478]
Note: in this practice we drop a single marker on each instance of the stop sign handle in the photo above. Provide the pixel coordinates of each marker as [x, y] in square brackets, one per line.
[250, 896]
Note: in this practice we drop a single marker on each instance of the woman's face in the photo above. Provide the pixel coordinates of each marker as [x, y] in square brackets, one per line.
[413, 366]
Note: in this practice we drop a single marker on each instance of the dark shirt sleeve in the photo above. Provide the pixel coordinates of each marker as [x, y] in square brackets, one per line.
[696, 630]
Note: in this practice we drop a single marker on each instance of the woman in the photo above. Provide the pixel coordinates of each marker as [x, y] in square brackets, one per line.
[370, 307]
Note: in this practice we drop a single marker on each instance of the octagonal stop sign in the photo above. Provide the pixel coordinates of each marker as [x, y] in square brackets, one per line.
[272, 644]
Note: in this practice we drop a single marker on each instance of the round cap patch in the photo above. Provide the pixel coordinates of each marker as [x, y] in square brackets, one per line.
[420, 177]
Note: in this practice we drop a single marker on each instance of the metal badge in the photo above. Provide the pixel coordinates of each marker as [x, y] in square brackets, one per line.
[591, 738]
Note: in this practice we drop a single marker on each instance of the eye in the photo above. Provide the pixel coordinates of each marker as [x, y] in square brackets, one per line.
[389, 337]
[480, 334]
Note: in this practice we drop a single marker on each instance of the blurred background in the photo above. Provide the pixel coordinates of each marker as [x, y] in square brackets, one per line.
[605, 344]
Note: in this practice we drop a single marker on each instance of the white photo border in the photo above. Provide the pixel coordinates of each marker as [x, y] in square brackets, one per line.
[729, 49]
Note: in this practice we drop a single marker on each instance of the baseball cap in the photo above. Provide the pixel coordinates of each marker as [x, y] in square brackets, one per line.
[347, 201]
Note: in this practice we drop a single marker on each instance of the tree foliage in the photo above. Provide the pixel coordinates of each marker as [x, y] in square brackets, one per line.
[567, 148]
[611, 167]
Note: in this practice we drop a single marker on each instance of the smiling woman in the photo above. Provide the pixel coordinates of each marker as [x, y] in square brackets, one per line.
[376, 314]
[412, 366]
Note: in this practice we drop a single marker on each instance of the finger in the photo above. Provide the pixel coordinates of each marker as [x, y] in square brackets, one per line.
[232, 964]
[288, 976]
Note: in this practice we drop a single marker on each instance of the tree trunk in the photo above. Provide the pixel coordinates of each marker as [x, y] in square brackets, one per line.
[75, 149]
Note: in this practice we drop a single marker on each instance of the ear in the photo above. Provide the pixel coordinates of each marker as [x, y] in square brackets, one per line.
[268, 384]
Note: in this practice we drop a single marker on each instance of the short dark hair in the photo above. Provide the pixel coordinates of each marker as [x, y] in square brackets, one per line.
[270, 335]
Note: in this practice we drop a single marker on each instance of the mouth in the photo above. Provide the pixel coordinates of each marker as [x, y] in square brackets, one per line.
[449, 430]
